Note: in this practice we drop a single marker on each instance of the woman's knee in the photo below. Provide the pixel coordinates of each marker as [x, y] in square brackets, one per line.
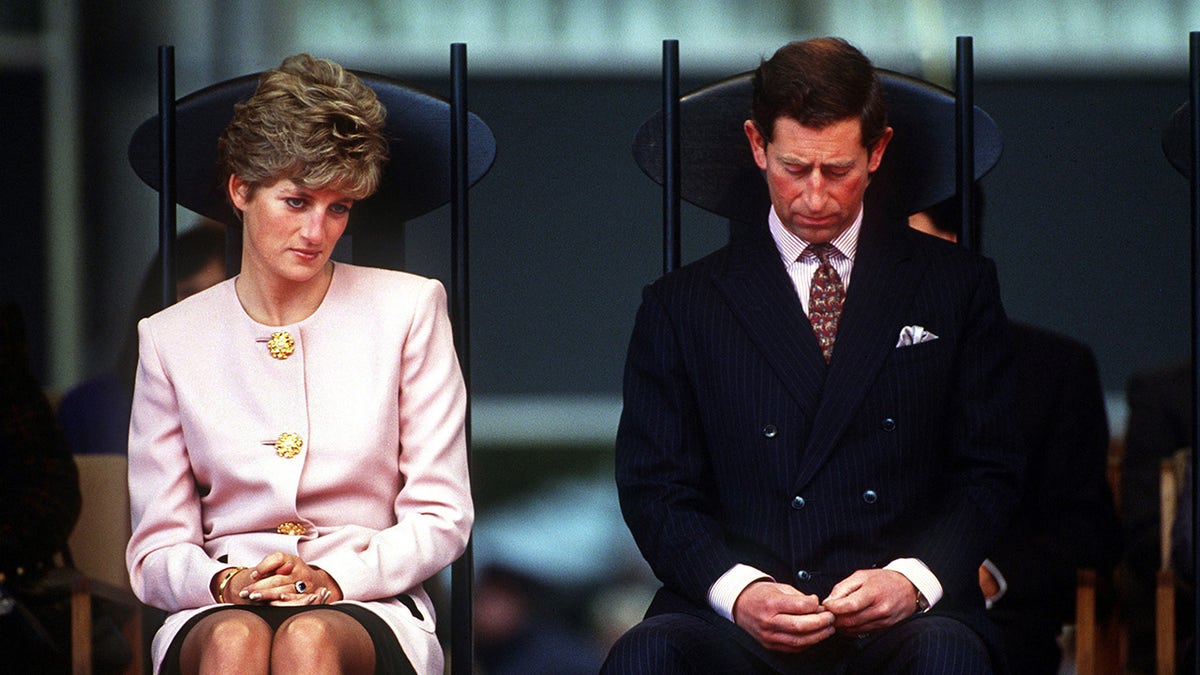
[322, 641]
[228, 638]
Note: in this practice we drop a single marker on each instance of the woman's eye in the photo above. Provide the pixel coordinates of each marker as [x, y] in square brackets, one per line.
[340, 209]
[294, 202]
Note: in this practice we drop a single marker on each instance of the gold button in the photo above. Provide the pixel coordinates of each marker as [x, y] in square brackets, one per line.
[281, 345]
[294, 529]
[288, 445]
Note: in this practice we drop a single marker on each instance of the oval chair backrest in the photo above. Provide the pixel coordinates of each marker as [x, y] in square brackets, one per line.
[416, 179]
[719, 174]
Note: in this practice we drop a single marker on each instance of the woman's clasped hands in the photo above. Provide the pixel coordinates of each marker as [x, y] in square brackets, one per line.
[282, 580]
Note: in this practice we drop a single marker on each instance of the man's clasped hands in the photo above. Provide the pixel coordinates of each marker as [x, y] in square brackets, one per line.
[782, 618]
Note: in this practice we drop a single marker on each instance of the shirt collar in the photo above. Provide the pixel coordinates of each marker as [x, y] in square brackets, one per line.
[792, 247]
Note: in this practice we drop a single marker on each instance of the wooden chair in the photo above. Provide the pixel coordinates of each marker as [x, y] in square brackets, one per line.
[1097, 637]
[97, 548]
[1172, 472]
[1100, 641]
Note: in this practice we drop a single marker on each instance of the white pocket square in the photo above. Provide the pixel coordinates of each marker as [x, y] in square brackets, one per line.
[914, 335]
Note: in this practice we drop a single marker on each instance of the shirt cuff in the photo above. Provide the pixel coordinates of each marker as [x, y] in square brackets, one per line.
[725, 590]
[920, 576]
[1000, 581]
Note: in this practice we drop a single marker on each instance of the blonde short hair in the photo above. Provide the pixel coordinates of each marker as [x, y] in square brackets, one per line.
[311, 121]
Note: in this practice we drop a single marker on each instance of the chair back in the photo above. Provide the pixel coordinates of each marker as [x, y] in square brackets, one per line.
[98, 541]
[416, 180]
[718, 170]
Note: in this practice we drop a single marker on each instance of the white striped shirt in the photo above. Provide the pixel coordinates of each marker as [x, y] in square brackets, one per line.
[801, 263]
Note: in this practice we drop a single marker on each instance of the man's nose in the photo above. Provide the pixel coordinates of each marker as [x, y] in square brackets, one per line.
[815, 191]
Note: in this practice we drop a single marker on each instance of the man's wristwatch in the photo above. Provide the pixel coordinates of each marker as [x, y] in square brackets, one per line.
[922, 603]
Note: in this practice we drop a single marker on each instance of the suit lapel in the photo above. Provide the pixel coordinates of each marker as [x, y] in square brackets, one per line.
[884, 279]
[762, 297]
[764, 300]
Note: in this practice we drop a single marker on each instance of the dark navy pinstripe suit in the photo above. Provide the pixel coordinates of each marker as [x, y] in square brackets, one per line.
[737, 444]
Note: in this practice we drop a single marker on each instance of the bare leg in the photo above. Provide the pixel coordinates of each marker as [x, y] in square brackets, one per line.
[322, 641]
[229, 641]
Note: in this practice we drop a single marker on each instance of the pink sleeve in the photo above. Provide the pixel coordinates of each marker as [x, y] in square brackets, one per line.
[168, 568]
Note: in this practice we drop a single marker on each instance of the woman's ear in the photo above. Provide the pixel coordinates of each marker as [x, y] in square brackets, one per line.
[239, 192]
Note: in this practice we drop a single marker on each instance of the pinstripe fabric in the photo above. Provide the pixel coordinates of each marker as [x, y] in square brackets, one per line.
[933, 645]
[738, 445]
[682, 643]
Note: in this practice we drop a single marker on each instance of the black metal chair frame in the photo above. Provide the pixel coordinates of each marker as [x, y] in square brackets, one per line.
[1181, 145]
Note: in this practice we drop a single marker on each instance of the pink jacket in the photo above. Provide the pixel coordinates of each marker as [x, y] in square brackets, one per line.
[378, 492]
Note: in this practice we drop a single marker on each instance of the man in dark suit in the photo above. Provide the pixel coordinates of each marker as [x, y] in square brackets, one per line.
[817, 496]
[1066, 520]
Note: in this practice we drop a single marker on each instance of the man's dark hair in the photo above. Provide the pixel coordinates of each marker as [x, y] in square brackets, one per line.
[819, 82]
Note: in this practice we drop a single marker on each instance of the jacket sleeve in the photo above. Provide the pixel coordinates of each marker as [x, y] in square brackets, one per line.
[168, 567]
[434, 510]
[664, 481]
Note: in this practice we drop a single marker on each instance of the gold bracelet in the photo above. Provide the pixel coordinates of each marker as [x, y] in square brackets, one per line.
[230, 573]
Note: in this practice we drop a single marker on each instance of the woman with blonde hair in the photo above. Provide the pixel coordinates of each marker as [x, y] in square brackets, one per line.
[297, 443]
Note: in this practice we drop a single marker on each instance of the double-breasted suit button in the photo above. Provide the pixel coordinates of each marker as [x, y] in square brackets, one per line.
[797, 502]
[293, 528]
[870, 497]
[288, 445]
[888, 424]
[770, 431]
[281, 345]
[804, 575]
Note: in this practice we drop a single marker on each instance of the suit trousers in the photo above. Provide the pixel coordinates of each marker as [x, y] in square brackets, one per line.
[686, 644]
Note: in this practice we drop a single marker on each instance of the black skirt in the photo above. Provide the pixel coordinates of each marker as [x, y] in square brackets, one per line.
[389, 657]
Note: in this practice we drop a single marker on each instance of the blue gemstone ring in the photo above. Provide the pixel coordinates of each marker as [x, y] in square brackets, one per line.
[301, 587]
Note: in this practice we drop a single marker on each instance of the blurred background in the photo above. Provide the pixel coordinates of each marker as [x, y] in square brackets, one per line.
[1086, 220]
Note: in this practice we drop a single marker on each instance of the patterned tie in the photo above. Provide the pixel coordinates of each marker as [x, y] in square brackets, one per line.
[825, 298]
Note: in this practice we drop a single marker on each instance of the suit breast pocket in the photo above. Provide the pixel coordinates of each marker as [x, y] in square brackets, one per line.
[919, 372]
[919, 352]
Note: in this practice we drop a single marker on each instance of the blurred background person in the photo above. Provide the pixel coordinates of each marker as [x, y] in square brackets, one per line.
[94, 414]
[521, 628]
[1066, 519]
[40, 504]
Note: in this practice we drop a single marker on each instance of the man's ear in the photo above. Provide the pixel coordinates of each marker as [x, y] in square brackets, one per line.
[758, 145]
[875, 152]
